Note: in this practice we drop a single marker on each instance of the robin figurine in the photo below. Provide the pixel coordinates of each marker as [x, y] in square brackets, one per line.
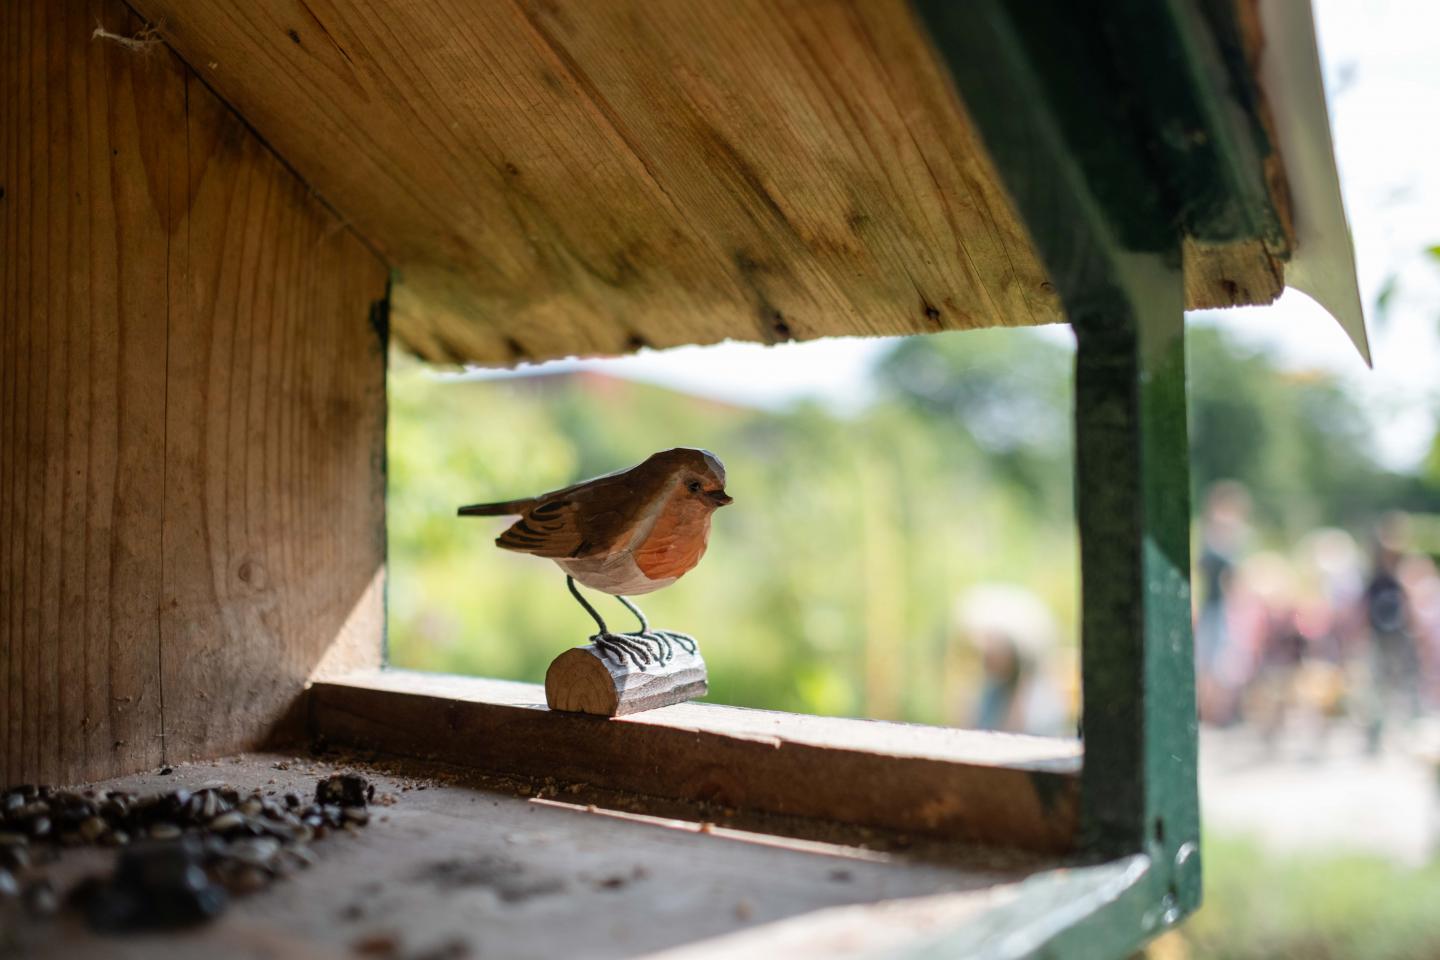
[626, 533]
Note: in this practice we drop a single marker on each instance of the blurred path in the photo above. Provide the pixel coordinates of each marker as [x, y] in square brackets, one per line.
[1298, 797]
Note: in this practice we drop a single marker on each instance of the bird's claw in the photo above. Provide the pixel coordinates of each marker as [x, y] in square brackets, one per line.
[666, 639]
[617, 647]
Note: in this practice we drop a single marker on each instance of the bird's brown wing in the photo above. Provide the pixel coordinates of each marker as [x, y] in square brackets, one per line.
[580, 521]
[547, 530]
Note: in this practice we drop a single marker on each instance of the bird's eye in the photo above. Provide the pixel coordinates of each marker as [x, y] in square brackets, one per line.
[693, 486]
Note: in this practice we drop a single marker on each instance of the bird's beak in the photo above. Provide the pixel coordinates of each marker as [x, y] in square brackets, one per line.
[720, 497]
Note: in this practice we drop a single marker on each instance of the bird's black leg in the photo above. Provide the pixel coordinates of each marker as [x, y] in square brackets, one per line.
[614, 647]
[595, 614]
[644, 624]
[662, 638]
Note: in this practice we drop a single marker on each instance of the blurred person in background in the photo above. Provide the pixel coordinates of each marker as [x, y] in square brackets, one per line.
[1015, 636]
[1394, 661]
[1421, 581]
[1267, 646]
[1224, 529]
[1331, 568]
[1333, 565]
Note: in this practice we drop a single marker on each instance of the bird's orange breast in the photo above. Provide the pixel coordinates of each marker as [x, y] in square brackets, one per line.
[677, 541]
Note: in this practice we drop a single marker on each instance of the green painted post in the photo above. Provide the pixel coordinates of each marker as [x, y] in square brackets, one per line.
[1073, 138]
[1132, 504]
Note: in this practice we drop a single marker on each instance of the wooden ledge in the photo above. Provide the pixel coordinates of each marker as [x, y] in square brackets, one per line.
[996, 789]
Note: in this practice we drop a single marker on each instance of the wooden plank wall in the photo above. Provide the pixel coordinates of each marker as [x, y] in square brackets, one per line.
[191, 411]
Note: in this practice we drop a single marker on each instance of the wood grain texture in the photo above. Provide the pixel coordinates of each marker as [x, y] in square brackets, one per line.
[583, 680]
[1230, 275]
[568, 177]
[274, 466]
[1000, 790]
[84, 162]
[1251, 271]
[178, 320]
[472, 867]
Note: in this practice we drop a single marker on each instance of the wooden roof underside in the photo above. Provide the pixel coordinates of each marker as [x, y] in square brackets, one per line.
[551, 177]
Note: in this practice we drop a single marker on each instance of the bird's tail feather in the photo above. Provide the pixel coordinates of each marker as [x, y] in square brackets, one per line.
[504, 508]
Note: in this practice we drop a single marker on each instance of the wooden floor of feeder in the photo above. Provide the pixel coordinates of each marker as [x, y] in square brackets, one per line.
[487, 868]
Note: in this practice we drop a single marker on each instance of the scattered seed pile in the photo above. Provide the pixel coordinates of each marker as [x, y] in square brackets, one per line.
[182, 854]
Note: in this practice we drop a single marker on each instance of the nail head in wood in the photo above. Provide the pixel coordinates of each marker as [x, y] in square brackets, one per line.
[583, 680]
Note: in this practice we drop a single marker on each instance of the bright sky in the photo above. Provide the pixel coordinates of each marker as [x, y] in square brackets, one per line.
[1382, 72]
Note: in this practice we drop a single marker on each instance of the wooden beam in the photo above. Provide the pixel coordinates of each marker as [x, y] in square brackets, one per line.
[1214, 145]
[191, 411]
[992, 789]
[565, 176]
[552, 178]
[1222, 274]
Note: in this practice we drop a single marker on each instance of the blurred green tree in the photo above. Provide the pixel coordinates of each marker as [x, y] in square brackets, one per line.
[1302, 445]
[1003, 396]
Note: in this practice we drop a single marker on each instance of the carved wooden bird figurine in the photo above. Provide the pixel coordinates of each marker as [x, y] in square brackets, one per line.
[630, 532]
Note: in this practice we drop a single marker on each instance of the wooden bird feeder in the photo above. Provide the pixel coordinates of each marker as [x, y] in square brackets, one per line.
[216, 218]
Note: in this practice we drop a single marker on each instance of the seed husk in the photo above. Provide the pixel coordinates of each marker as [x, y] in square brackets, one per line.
[40, 899]
[181, 847]
[344, 789]
[256, 851]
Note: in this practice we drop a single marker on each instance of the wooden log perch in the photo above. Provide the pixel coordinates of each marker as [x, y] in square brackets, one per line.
[583, 680]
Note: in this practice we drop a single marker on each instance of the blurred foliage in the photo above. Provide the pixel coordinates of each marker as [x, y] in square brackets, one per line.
[1011, 392]
[829, 585]
[1301, 445]
[1321, 906]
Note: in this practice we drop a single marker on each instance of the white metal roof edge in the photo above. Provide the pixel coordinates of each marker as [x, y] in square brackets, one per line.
[1322, 264]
